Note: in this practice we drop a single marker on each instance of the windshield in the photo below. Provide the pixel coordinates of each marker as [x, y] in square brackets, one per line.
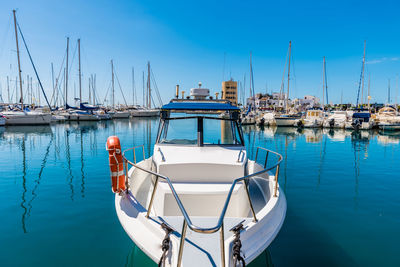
[179, 131]
[200, 131]
[220, 132]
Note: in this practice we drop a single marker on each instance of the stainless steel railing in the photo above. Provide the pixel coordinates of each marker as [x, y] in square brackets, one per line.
[187, 221]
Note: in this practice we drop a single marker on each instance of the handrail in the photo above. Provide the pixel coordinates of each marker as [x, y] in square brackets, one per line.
[187, 221]
[222, 215]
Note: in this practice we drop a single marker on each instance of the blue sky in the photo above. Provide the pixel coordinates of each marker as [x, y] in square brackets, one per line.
[186, 41]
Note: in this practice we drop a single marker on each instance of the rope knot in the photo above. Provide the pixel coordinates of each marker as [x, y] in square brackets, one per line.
[237, 246]
[165, 244]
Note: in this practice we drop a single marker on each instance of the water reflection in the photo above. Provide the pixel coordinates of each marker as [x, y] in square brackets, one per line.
[67, 163]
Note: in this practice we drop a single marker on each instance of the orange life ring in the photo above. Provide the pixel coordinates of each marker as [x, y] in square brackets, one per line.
[116, 164]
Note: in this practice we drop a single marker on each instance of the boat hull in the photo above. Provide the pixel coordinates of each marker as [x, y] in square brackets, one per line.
[200, 249]
[145, 113]
[28, 119]
[285, 121]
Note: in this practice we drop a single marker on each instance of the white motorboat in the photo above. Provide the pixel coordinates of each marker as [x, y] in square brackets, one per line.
[248, 118]
[361, 120]
[80, 115]
[199, 200]
[337, 119]
[389, 126]
[102, 115]
[26, 118]
[314, 118]
[120, 114]
[57, 118]
[268, 119]
[286, 119]
[388, 119]
[145, 112]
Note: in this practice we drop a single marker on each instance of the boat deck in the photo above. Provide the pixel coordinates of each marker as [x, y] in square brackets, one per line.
[203, 249]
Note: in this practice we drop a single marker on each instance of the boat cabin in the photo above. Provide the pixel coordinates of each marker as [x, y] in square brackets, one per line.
[361, 116]
[200, 141]
[314, 113]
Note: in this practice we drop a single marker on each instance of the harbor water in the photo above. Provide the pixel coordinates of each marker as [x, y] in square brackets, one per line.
[57, 209]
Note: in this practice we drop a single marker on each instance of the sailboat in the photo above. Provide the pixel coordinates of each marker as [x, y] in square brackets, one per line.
[361, 118]
[146, 111]
[116, 114]
[24, 116]
[286, 118]
[249, 117]
[81, 113]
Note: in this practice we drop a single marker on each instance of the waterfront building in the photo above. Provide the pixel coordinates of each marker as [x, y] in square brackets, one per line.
[229, 91]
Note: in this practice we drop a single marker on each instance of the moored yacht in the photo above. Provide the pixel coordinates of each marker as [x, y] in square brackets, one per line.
[26, 117]
[199, 200]
[361, 120]
[314, 118]
[286, 119]
[145, 112]
[337, 119]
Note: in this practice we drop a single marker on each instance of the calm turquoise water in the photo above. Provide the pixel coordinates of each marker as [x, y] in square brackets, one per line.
[57, 209]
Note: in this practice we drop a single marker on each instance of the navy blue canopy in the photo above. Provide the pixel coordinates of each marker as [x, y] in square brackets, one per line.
[200, 106]
[361, 115]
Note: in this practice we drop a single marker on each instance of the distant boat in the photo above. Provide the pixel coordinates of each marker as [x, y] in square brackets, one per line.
[287, 119]
[24, 116]
[145, 112]
[336, 119]
[314, 118]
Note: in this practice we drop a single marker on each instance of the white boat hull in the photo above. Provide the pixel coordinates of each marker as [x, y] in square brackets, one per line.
[120, 115]
[200, 249]
[145, 113]
[81, 117]
[285, 121]
[27, 118]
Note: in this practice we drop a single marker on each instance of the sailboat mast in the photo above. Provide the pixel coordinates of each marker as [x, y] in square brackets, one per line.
[148, 86]
[8, 90]
[19, 62]
[369, 95]
[66, 75]
[133, 86]
[362, 78]
[388, 91]
[143, 94]
[112, 82]
[80, 77]
[251, 81]
[323, 84]
[288, 77]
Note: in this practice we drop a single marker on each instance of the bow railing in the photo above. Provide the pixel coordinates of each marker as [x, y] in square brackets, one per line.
[220, 224]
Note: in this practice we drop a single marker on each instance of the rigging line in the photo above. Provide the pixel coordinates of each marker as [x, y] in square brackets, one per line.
[156, 87]
[120, 88]
[58, 76]
[326, 85]
[108, 89]
[73, 57]
[33, 65]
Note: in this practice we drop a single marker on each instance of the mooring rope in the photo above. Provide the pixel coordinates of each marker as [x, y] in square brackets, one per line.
[237, 245]
[165, 244]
